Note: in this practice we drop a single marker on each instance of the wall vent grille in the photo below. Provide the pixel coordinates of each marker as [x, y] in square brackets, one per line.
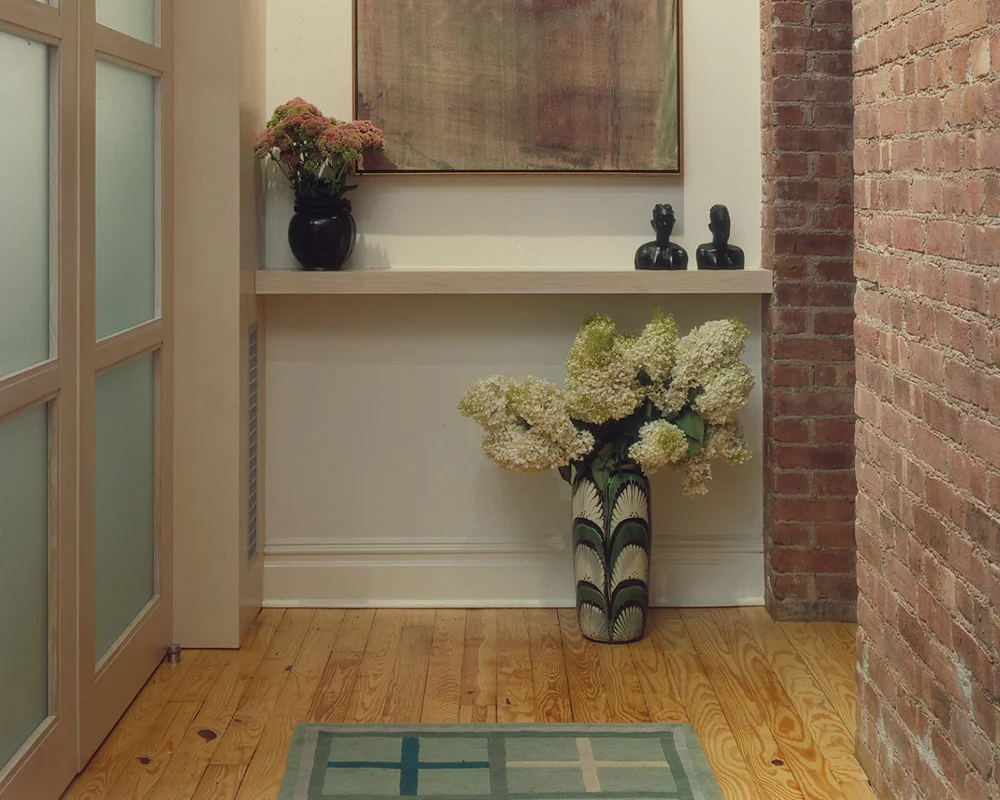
[252, 450]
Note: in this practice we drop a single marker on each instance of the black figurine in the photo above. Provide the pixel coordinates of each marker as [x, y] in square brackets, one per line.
[662, 254]
[719, 254]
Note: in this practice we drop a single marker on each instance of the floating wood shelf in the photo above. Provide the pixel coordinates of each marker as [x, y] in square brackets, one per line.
[511, 281]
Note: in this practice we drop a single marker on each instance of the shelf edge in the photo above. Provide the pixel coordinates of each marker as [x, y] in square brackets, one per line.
[472, 281]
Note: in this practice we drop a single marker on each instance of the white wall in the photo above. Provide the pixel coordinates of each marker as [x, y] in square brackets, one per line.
[554, 221]
[377, 492]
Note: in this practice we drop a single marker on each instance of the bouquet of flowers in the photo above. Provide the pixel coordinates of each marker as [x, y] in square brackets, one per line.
[317, 154]
[652, 399]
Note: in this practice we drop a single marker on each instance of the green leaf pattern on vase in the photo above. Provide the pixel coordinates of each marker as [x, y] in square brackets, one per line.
[611, 547]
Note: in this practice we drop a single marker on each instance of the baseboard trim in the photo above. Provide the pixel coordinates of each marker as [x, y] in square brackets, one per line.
[682, 577]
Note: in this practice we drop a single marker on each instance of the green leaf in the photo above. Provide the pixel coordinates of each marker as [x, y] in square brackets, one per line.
[602, 476]
[693, 425]
[566, 472]
[694, 447]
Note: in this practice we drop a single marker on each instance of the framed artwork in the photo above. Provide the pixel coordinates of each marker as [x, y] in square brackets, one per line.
[587, 86]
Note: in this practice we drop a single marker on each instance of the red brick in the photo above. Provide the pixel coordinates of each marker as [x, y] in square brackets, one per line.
[968, 290]
[945, 238]
[962, 17]
[925, 30]
[982, 245]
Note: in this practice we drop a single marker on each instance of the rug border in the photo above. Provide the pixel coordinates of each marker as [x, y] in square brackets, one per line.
[692, 753]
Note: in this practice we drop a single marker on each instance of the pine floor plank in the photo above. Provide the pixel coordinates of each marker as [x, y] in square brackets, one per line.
[199, 742]
[116, 752]
[204, 672]
[405, 697]
[767, 700]
[515, 686]
[859, 790]
[224, 697]
[747, 719]
[834, 741]
[239, 742]
[377, 665]
[588, 698]
[622, 688]
[443, 692]
[548, 668]
[663, 699]
[477, 714]
[220, 782]
[479, 667]
[848, 634]
[339, 683]
[152, 756]
[263, 775]
[803, 754]
[701, 706]
[826, 661]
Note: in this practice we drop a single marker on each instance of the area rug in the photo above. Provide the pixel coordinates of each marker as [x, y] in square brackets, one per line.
[497, 762]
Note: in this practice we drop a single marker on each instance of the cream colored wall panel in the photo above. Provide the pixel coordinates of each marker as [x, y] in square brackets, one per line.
[552, 221]
[219, 213]
[365, 442]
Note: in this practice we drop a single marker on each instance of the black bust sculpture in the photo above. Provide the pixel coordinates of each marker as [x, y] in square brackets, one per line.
[662, 254]
[719, 254]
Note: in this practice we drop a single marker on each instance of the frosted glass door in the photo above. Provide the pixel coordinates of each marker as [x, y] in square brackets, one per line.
[125, 474]
[126, 192]
[24, 578]
[24, 190]
[135, 18]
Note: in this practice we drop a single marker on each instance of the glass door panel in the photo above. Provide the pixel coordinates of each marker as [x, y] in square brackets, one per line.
[125, 199]
[24, 577]
[24, 223]
[125, 513]
[135, 18]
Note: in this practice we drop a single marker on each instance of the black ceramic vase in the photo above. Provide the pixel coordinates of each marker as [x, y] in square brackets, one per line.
[322, 233]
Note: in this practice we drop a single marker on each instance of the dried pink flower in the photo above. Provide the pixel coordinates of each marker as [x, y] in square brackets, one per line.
[316, 153]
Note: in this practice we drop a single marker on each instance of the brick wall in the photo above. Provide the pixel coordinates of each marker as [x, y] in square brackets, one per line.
[808, 322]
[927, 90]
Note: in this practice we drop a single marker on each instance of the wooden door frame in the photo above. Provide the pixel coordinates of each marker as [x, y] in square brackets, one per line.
[106, 688]
[46, 763]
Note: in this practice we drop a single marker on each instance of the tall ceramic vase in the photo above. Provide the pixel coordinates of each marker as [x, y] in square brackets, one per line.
[611, 546]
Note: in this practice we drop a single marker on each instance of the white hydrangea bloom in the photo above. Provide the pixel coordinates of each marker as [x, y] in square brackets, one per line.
[486, 402]
[727, 442]
[601, 374]
[527, 423]
[660, 443]
[543, 407]
[696, 472]
[655, 349]
[715, 344]
[654, 352]
[531, 426]
[726, 390]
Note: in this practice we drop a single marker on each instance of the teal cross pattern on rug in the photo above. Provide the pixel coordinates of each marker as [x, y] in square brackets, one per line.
[497, 762]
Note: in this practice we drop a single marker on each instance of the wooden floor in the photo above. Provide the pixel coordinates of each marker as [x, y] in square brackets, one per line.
[773, 704]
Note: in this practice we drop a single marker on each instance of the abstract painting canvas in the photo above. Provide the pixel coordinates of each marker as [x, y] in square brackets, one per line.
[521, 85]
